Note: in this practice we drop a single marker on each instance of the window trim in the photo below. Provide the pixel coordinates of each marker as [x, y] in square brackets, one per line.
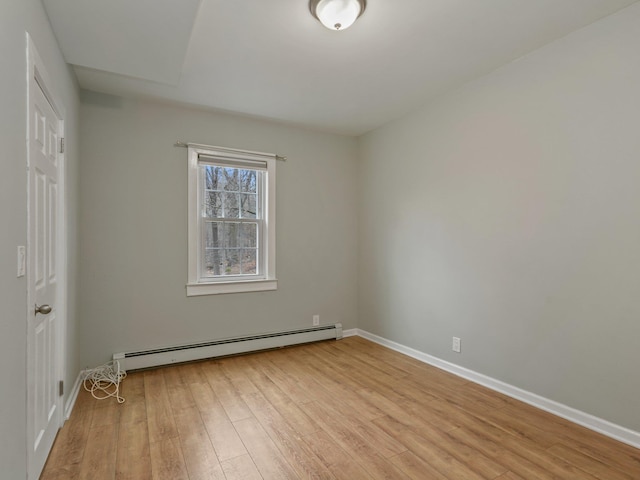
[202, 286]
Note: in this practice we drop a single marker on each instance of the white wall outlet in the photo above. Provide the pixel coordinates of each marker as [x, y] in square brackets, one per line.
[316, 320]
[455, 346]
[22, 260]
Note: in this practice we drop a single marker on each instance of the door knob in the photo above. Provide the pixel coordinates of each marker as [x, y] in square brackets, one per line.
[43, 309]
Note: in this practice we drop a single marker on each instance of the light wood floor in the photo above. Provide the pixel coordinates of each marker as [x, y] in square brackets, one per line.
[346, 410]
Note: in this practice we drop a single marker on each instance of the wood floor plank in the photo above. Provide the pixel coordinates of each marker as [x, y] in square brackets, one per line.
[240, 468]
[160, 419]
[84, 400]
[601, 448]
[292, 363]
[287, 407]
[222, 434]
[107, 412]
[336, 459]
[336, 389]
[416, 467]
[520, 426]
[517, 454]
[618, 457]
[179, 396]
[99, 459]
[173, 376]
[591, 465]
[132, 389]
[406, 411]
[509, 476]
[522, 466]
[454, 413]
[479, 440]
[67, 472]
[289, 441]
[358, 371]
[224, 438]
[359, 448]
[70, 442]
[192, 373]
[364, 360]
[432, 452]
[167, 461]
[265, 454]
[293, 389]
[410, 366]
[427, 435]
[135, 411]
[470, 400]
[226, 392]
[199, 456]
[133, 459]
[348, 410]
[207, 402]
[235, 369]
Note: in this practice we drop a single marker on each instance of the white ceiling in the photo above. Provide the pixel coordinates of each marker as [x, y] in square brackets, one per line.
[271, 58]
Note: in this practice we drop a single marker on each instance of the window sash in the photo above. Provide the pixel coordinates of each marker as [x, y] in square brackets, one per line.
[203, 276]
[259, 263]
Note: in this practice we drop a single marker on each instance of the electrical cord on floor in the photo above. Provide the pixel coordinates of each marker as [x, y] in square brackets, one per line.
[104, 381]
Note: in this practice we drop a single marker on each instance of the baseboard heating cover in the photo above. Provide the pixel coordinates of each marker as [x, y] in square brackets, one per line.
[230, 346]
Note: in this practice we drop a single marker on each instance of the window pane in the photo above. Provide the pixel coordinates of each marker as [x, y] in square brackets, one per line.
[213, 254]
[232, 262]
[213, 261]
[231, 205]
[214, 178]
[232, 179]
[249, 262]
[213, 234]
[212, 204]
[231, 232]
[248, 235]
[248, 181]
[248, 207]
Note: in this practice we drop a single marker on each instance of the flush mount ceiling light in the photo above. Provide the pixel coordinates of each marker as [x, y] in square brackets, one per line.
[337, 14]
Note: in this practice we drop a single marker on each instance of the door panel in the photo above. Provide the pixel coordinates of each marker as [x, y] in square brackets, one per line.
[43, 402]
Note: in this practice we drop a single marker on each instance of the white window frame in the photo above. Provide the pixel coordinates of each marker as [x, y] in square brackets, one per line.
[198, 284]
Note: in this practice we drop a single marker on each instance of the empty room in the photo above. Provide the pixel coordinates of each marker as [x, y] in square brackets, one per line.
[320, 239]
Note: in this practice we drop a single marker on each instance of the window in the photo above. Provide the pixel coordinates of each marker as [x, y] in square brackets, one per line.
[231, 221]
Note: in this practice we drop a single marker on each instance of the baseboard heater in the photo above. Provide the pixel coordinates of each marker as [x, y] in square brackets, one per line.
[230, 346]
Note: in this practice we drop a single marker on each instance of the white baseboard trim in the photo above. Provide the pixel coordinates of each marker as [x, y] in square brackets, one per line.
[587, 420]
[73, 395]
[351, 332]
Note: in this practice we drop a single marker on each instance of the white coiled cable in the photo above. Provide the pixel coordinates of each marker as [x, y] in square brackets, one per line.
[104, 381]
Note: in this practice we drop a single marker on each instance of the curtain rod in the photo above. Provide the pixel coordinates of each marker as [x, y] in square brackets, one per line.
[232, 150]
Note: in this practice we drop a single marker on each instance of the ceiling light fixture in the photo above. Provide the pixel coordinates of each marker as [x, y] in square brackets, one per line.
[337, 14]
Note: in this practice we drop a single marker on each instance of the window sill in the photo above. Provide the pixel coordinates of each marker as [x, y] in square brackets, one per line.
[243, 286]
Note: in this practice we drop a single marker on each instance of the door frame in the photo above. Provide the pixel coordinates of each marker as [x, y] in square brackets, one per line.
[37, 77]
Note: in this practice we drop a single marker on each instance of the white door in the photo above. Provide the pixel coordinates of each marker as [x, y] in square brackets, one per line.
[44, 403]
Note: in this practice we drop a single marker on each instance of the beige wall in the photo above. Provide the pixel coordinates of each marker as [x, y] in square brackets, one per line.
[507, 213]
[16, 17]
[133, 205]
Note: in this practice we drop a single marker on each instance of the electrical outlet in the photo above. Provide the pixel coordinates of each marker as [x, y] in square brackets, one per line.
[455, 346]
[316, 320]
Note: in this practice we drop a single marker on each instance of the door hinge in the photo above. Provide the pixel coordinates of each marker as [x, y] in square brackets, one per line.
[62, 145]
[61, 387]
